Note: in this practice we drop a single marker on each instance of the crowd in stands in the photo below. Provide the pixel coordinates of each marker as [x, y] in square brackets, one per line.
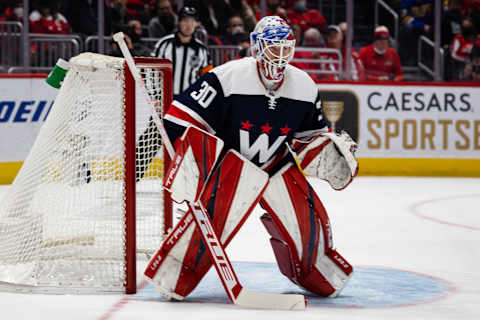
[460, 30]
[229, 22]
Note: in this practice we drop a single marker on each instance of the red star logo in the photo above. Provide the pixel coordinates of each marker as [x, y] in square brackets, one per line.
[285, 130]
[266, 129]
[246, 125]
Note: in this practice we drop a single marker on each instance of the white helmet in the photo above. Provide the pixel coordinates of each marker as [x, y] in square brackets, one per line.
[273, 45]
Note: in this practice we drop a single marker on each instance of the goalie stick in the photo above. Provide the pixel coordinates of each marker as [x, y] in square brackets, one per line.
[234, 290]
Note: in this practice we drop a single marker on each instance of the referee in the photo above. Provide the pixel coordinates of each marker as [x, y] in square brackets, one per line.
[190, 60]
[189, 57]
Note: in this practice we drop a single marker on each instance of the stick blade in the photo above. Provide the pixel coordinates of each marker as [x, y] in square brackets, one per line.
[272, 301]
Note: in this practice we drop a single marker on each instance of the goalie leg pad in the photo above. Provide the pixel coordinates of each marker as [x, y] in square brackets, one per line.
[301, 236]
[230, 194]
[195, 156]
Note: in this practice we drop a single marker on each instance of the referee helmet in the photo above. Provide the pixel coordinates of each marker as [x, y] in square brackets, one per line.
[188, 12]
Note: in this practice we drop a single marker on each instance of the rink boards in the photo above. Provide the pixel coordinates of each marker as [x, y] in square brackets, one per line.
[413, 129]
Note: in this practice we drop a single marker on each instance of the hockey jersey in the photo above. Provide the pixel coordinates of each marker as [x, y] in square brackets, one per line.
[231, 102]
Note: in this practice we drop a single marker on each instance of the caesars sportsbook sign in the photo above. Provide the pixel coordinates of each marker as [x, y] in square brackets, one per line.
[406, 121]
[387, 121]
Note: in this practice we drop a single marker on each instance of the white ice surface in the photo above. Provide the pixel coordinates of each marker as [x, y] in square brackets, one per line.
[429, 226]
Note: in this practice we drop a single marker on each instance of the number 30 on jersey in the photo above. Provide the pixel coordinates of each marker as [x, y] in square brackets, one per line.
[205, 95]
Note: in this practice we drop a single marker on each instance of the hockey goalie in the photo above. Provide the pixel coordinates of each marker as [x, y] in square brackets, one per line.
[236, 132]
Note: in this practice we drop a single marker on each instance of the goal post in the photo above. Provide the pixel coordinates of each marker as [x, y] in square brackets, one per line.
[88, 201]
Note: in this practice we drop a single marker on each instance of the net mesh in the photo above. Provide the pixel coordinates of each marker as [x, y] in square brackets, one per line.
[62, 223]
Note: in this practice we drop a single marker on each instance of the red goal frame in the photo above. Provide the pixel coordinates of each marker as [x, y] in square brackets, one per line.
[165, 67]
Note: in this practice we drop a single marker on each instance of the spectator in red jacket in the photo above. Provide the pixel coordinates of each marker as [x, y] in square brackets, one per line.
[331, 66]
[13, 11]
[379, 60]
[461, 48]
[305, 17]
[312, 38]
[47, 19]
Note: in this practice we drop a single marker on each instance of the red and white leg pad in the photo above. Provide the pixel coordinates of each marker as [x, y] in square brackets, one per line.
[301, 234]
[229, 195]
[194, 158]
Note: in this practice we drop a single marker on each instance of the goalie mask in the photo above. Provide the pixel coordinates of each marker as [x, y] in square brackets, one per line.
[273, 47]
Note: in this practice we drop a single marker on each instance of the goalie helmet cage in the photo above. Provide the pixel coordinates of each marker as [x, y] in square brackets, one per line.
[88, 200]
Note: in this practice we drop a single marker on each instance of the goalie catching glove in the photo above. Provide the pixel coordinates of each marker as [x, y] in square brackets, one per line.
[329, 156]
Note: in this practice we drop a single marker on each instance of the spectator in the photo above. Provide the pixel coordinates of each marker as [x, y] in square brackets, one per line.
[235, 27]
[472, 68]
[379, 60]
[164, 21]
[451, 26]
[244, 10]
[13, 11]
[189, 56]
[120, 14]
[206, 38]
[273, 9]
[135, 33]
[132, 39]
[306, 18]
[311, 39]
[451, 22]
[344, 26]
[45, 18]
[332, 66]
[416, 20]
[461, 48]
[214, 15]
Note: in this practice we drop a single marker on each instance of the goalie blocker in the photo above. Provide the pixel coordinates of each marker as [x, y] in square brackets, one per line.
[296, 219]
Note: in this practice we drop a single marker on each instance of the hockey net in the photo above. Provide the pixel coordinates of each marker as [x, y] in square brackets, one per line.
[88, 200]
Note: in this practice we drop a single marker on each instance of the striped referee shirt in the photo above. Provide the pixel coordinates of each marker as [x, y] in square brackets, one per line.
[188, 59]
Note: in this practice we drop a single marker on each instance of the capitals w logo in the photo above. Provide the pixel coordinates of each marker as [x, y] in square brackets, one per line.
[261, 145]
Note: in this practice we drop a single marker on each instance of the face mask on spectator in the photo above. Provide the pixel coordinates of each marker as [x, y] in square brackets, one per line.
[18, 11]
[378, 51]
[237, 29]
[300, 6]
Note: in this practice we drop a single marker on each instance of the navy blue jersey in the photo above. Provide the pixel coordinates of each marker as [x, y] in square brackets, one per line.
[232, 103]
